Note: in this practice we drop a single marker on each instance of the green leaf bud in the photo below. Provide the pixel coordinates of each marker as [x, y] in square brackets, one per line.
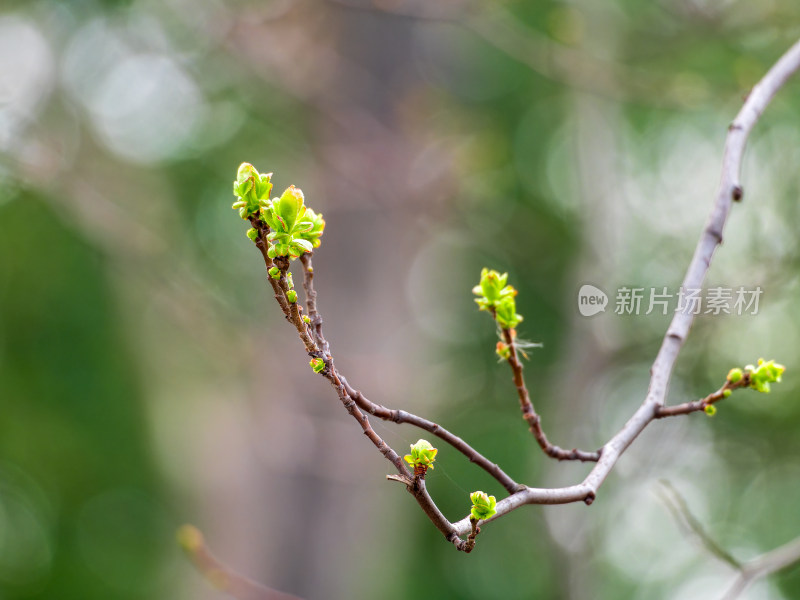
[252, 190]
[298, 246]
[306, 320]
[726, 393]
[710, 410]
[317, 364]
[291, 296]
[314, 232]
[252, 233]
[506, 313]
[423, 454]
[483, 505]
[295, 228]
[503, 350]
[735, 375]
[271, 251]
[274, 272]
[190, 538]
[291, 207]
[497, 297]
[763, 374]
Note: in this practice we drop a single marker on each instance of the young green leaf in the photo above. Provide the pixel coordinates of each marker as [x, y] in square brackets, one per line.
[423, 454]
[483, 505]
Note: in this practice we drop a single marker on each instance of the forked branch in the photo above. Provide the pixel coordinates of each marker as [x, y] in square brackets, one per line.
[284, 228]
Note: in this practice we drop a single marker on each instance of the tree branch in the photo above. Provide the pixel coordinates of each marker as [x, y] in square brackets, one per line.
[292, 312]
[771, 562]
[679, 509]
[652, 407]
[748, 572]
[729, 190]
[220, 576]
[529, 413]
[387, 414]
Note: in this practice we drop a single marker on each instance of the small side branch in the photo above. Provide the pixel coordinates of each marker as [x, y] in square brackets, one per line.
[418, 489]
[396, 416]
[292, 312]
[362, 419]
[677, 506]
[311, 303]
[771, 562]
[220, 576]
[261, 244]
[702, 404]
[529, 413]
[401, 416]
[471, 538]
[748, 572]
[295, 317]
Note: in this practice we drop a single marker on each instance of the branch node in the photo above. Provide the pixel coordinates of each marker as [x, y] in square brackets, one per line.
[401, 479]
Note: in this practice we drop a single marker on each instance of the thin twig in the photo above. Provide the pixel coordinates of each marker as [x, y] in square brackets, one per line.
[471, 538]
[529, 413]
[677, 506]
[295, 317]
[768, 563]
[261, 244]
[311, 303]
[292, 313]
[401, 416]
[220, 576]
[698, 405]
[387, 414]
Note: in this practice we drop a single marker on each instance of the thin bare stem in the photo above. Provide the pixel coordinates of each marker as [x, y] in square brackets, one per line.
[471, 538]
[387, 414]
[220, 576]
[766, 564]
[417, 488]
[292, 312]
[311, 303]
[529, 413]
[714, 397]
[295, 317]
[401, 416]
[352, 408]
[771, 562]
[679, 509]
[261, 244]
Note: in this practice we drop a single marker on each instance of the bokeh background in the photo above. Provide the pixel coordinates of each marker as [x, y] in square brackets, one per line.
[147, 379]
